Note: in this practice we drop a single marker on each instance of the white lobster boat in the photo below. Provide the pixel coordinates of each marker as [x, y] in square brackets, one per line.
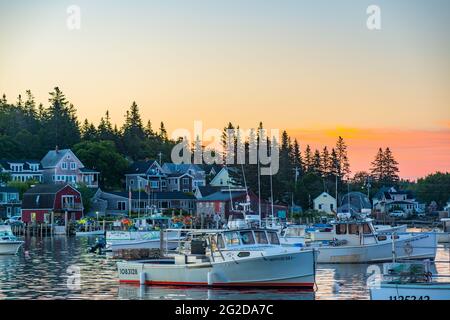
[408, 281]
[228, 258]
[9, 244]
[356, 241]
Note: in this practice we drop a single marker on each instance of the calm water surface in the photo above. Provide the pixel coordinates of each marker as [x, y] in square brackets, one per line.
[40, 271]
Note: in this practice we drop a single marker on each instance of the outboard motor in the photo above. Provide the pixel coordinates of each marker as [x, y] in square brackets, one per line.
[99, 245]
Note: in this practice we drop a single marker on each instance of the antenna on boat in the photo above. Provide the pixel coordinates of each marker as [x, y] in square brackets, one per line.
[271, 189]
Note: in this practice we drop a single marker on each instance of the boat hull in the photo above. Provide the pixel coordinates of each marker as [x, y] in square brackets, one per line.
[290, 269]
[11, 247]
[421, 246]
[419, 291]
[89, 233]
[443, 237]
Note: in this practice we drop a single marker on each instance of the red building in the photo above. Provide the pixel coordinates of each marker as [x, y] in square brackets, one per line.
[40, 201]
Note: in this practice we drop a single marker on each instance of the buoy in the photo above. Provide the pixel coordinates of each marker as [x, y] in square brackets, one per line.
[142, 278]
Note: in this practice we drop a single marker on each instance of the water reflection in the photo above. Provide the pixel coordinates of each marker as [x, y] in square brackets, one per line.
[39, 271]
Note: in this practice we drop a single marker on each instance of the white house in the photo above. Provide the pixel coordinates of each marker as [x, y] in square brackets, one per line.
[223, 179]
[325, 203]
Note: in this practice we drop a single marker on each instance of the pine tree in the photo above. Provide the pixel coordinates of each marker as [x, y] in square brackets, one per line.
[297, 160]
[325, 163]
[308, 159]
[334, 163]
[60, 125]
[316, 164]
[390, 167]
[88, 131]
[104, 129]
[163, 132]
[378, 170]
[341, 152]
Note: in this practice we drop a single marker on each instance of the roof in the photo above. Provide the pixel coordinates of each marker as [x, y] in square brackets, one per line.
[175, 195]
[53, 157]
[8, 190]
[357, 200]
[223, 196]
[46, 188]
[38, 201]
[207, 190]
[140, 167]
[324, 193]
[26, 163]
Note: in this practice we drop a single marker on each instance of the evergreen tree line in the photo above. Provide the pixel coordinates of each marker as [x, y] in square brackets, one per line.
[28, 130]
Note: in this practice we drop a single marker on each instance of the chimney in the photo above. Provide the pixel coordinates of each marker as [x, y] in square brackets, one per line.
[56, 149]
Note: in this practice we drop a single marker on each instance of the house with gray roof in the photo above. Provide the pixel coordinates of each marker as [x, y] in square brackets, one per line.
[118, 202]
[388, 199]
[63, 166]
[22, 170]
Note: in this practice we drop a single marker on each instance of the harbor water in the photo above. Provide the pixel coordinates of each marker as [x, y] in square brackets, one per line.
[61, 268]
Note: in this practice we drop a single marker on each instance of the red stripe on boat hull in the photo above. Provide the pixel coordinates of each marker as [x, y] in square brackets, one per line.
[240, 284]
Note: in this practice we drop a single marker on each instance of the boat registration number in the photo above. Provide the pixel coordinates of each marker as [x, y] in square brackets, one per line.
[128, 271]
[409, 297]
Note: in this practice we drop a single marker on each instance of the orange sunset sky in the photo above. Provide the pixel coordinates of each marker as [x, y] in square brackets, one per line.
[310, 67]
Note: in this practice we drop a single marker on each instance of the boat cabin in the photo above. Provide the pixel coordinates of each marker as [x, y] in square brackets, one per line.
[355, 232]
[249, 237]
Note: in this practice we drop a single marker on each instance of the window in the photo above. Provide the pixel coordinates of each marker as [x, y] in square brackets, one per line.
[320, 206]
[331, 206]
[185, 181]
[232, 238]
[353, 229]
[8, 212]
[154, 184]
[121, 205]
[73, 166]
[247, 237]
[366, 229]
[64, 165]
[185, 190]
[341, 229]
[273, 238]
[163, 183]
[261, 237]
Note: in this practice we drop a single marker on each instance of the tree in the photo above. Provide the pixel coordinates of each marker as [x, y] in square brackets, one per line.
[316, 163]
[103, 156]
[163, 132]
[105, 129]
[308, 159]
[325, 162]
[434, 187]
[343, 169]
[88, 131]
[133, 134]
[390, 167]
[377, 169]
[60, 125]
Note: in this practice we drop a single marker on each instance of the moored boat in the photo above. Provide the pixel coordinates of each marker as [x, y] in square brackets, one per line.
[356, 241]
[9, 244]
[228, 258]
[409, 281]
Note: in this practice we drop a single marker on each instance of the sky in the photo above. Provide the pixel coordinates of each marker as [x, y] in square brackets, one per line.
[310, 67]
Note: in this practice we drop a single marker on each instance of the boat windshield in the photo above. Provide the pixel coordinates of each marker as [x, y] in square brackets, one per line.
[273, 237]
[232, 238]
[261, 237]
[247, 237]
[366, 229]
